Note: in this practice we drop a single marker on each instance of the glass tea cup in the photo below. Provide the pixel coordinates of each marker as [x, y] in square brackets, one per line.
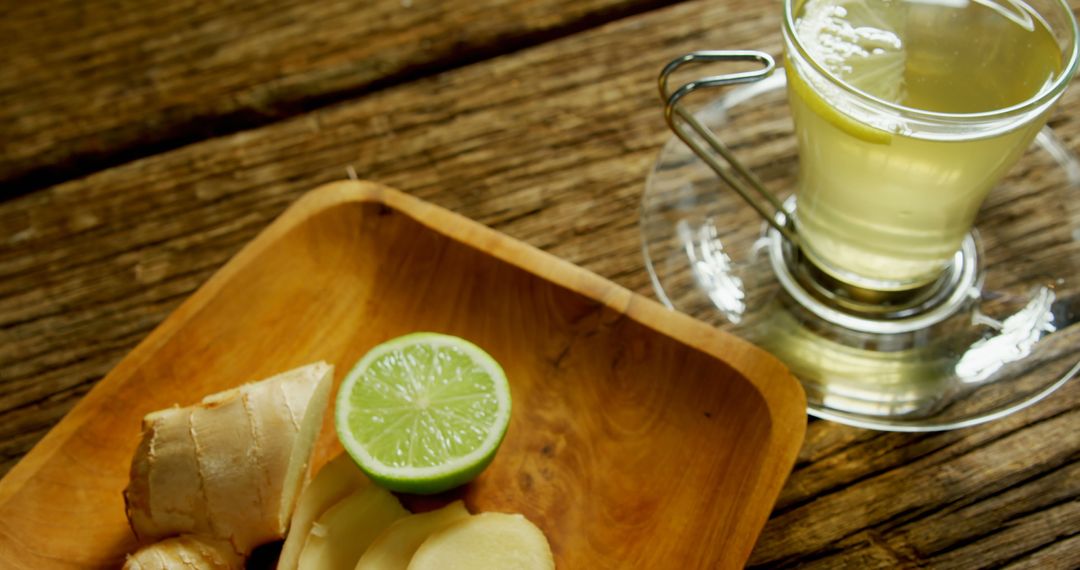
[906, 114]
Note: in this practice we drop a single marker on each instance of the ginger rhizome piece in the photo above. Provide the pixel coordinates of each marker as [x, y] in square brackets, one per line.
[230, 467]
[183, 552]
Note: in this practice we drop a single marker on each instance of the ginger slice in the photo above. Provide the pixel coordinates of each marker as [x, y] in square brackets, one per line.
[336, 480]
[394, 548]
[495, 541]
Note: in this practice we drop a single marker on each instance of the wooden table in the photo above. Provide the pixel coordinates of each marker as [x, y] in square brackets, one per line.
[144, 143]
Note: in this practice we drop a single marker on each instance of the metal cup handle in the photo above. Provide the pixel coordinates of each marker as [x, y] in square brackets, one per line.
[738, 177]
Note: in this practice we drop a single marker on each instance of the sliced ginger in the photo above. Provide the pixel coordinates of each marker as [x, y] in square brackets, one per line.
[487, 541]
[394, 548]
[341, 534]
[336, 480]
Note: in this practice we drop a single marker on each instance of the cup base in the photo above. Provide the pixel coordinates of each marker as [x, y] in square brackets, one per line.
[867, 310]
[870, 293]
[993, 335]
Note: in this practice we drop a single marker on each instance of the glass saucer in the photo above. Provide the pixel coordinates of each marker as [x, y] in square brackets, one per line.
[1009, 337]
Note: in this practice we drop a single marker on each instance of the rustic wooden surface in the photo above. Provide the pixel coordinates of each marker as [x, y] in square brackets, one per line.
[357, 263]
[549, 144]
[87, 85]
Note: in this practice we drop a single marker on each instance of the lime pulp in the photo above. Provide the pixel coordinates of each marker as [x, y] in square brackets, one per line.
[423, 413]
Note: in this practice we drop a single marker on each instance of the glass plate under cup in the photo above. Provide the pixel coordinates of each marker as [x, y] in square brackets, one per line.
[1006, 337]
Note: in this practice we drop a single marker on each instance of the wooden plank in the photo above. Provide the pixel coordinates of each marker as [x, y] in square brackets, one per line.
[1063, 554]
[936, 507]
[86, 85]
[556, 156]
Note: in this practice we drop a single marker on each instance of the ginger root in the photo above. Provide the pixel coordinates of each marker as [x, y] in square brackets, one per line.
[229, 468]
[186, 552]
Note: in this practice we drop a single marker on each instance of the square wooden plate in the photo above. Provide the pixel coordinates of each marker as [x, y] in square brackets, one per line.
[640, 437]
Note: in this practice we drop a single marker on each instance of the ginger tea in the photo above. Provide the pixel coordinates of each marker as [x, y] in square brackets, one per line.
[891, 178]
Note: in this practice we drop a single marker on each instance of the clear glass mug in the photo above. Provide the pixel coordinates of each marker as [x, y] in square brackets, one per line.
[887, 192]
[889, 188]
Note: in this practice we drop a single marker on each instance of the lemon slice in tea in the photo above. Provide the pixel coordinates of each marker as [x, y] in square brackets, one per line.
[858, 41]
[423, 413]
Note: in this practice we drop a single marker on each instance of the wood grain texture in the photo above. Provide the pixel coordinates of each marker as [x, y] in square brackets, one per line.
[555, 156]
[671, 439]
[86, 85]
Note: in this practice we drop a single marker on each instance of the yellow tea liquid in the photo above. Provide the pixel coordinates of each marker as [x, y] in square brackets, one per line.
[884, 201]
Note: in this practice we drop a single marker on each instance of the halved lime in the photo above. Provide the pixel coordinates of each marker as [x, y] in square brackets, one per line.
[423, 413]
